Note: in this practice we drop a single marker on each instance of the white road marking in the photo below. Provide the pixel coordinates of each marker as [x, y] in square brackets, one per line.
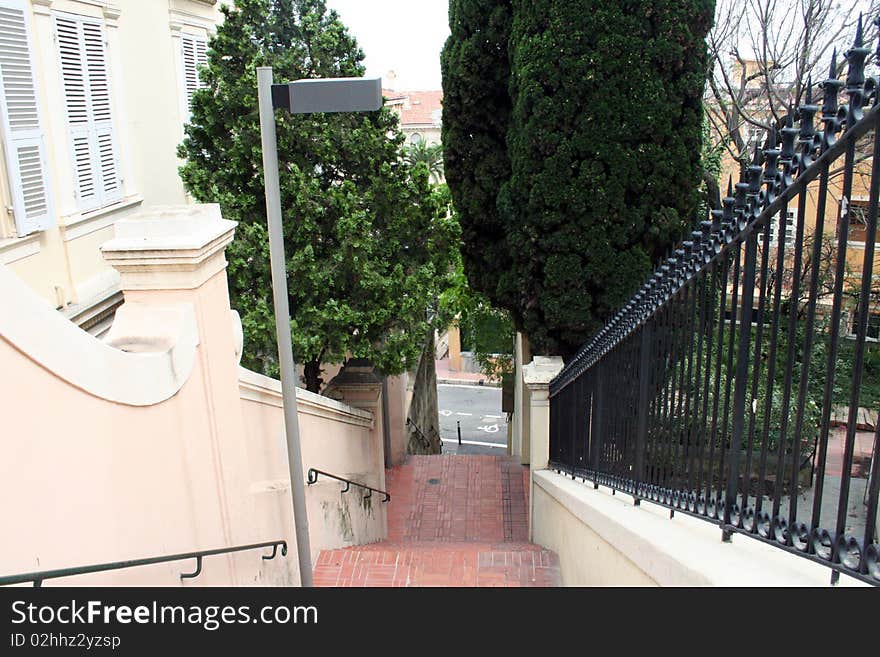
[474, 442]
[468, 414]
[489, 428]
[494, 417]
[459, 385]
[445, 413]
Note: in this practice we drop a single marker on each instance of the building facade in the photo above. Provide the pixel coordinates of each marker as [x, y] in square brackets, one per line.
[419, 113]
[94, 95]
[840, 210]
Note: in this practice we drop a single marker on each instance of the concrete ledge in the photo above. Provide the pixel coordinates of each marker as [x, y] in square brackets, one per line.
[14, 249]
[148, 356]
[262, 389]
[682, 551]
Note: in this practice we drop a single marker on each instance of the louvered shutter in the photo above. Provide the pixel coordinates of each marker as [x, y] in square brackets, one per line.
[195, 55]
[99, 96]
[86, 80]
[25, 150]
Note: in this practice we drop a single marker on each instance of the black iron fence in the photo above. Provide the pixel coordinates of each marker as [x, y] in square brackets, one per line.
[730, 386]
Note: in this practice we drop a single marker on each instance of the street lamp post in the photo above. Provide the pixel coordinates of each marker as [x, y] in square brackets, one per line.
[300, 97]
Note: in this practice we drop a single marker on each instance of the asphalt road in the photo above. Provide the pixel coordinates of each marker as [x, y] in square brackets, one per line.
[478, 410]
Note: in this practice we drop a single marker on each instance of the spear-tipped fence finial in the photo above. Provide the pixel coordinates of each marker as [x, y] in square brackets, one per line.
[855, 78]
[831, 87]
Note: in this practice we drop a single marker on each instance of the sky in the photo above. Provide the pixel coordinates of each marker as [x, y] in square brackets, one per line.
[405, 36]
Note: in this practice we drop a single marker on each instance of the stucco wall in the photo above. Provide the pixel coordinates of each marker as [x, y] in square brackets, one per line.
[88, 480]
[603, 539]
[154, 441]
[335, 438]
[585, 559]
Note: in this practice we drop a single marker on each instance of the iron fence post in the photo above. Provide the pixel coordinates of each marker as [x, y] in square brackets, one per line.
[642, 410]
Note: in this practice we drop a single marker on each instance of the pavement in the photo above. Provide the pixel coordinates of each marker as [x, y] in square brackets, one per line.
[477, 410]
[450, 376]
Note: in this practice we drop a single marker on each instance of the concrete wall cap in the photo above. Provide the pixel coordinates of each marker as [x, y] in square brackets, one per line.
[175, 228]
[264, 389]
[356, 372]
[542, 370]
[683, 551]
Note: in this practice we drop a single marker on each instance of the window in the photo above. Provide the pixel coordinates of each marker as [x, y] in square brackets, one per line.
[872, 334]
[790, 225]
[857, 217]
[756, 135]
[21, 126]
[194, 55]
[415, 138]
[86, 82]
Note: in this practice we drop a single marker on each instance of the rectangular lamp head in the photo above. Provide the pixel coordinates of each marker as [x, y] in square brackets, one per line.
[328, 95]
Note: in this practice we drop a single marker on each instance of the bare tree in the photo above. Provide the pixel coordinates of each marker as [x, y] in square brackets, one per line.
[762, 54]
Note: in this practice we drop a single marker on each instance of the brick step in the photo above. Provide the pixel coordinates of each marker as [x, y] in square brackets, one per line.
[451, 546]
[433, 564]
[454, 497]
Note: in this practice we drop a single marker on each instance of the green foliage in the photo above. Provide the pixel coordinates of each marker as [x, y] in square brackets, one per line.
[489, 333]
[431, 157]
[579, 166]
[476, 113]
[485, 330]
[869, 391]
[712, 152]
[368, 241]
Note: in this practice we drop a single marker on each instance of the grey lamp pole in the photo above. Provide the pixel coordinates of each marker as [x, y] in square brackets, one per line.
[300, 97]
[282, 322]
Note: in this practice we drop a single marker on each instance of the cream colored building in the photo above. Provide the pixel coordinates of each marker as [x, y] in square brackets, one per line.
[420, 114]
[93, 98]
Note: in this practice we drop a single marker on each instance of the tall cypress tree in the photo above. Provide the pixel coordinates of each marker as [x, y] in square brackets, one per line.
[368, 242]
[603, 141]
[476, 114]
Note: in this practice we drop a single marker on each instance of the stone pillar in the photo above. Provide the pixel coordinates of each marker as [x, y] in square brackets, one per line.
[536, 377]
[397, 411]
[519, 442]
[358, 386]
[173, 256]
[454, 336]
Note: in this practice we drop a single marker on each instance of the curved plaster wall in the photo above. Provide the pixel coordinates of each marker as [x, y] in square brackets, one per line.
[148, 355]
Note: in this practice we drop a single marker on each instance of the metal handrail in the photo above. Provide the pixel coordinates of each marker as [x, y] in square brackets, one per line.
[313, 478]
[38, 577]
[424, 439]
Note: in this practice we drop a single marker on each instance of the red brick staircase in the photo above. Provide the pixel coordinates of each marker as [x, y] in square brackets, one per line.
[453, 520]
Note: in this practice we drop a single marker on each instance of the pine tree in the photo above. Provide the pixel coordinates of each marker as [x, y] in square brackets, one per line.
[368, 242]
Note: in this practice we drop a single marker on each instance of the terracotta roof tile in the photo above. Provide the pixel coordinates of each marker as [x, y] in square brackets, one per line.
[419, 106]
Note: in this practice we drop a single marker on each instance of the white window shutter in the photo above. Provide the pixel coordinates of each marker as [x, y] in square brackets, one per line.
[99, 97]
[194, 55]
[22, 130]
[86, 80]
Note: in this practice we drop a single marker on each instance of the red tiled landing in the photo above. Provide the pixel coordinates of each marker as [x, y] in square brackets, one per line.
[453, 520]
[438, 564]
[458, 498]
